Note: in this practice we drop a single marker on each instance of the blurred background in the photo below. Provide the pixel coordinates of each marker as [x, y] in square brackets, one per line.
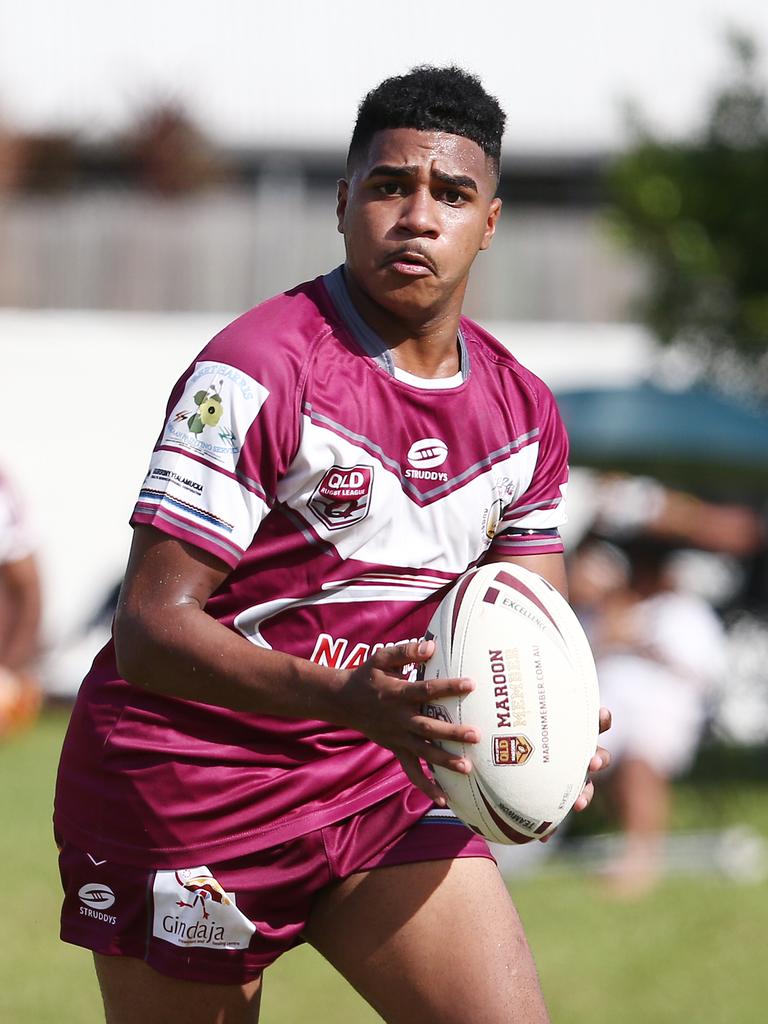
[165, 167]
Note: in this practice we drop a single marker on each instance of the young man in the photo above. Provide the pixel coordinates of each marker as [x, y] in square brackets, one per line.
[244, 767]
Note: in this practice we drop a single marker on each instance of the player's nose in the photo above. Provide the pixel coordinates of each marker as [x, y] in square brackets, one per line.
[418, 214]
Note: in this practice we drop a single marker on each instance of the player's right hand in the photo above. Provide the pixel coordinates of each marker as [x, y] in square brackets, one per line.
[384, 706]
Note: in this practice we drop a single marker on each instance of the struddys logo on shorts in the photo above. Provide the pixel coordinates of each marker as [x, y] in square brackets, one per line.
[96, 899]
[511, 749]
[343, 496]
[192, 909]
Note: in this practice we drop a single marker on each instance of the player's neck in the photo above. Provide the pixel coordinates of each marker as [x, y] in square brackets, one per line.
[422, 342]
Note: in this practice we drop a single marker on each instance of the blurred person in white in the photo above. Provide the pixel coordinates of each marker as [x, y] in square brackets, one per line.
[620, 506]
[20, 607]
[659, 653]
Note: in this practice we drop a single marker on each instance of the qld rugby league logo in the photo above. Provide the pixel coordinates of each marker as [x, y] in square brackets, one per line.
[511, 749]
[343, 496]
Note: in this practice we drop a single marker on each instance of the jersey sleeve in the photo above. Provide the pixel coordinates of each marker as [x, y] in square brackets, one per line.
[530, 524]
[212, 477]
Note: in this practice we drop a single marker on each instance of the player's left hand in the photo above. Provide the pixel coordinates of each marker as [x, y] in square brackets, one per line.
[601, 759]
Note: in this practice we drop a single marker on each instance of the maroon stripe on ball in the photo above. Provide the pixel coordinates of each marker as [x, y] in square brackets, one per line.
[459, 598]
[543, 827]
[491, 595]
[514, 584]
[501, 825]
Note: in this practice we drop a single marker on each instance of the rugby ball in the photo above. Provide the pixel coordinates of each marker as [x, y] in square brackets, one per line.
[535, 703]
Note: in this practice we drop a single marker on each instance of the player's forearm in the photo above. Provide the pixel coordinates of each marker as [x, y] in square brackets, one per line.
[185, 653]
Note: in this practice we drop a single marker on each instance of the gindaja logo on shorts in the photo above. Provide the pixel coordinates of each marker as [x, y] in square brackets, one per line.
[97, 898]
[191, 908]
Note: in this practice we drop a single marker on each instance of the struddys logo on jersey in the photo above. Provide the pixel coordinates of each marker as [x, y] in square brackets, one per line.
[511, 749]
[343, 496]
[192, 909]
[423, 458]
[217, 408]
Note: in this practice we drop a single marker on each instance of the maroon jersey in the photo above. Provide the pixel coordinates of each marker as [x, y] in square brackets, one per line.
[346, 496]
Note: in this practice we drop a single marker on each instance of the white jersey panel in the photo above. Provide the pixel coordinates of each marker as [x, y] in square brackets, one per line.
[371, 587]
[359, 504]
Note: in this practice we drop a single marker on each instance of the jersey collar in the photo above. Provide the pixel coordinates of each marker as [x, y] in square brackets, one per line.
[371, 343]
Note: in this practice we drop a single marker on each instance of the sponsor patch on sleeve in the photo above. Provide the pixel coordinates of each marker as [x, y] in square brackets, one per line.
[215, 412]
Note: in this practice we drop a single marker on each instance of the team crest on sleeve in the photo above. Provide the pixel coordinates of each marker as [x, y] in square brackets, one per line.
[491, 518]
[343, 496]
[215, 412]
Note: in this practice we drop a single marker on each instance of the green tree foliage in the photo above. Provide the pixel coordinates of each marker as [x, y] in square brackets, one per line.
[697, 213]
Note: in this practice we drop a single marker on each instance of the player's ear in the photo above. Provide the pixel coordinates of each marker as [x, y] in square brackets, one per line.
[490, 225]
[342, 191]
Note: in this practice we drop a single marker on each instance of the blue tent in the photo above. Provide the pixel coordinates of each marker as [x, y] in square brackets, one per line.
[693, 438]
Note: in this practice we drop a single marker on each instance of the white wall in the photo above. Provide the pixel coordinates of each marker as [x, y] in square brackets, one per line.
[85, 396]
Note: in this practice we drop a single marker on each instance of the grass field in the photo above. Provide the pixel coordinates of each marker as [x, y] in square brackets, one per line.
[692, 953]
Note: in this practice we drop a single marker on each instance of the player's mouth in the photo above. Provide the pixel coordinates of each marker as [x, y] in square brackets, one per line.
[411, 263]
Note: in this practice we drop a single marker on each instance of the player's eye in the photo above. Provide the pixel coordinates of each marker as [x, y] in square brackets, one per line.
[391, 188]
[453, 197]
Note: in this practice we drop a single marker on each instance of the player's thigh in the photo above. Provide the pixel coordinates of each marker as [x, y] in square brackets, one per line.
[437, 942]
[134, 992]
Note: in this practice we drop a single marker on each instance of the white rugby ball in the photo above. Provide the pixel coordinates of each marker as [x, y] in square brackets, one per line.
[535, 704]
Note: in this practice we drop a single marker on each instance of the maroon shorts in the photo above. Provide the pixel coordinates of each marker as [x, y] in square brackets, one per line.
[226, 921]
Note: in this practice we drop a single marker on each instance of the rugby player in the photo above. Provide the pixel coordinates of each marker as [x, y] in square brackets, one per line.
[245, 765]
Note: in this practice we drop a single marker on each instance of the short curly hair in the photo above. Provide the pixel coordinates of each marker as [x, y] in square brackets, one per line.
[434, 100]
